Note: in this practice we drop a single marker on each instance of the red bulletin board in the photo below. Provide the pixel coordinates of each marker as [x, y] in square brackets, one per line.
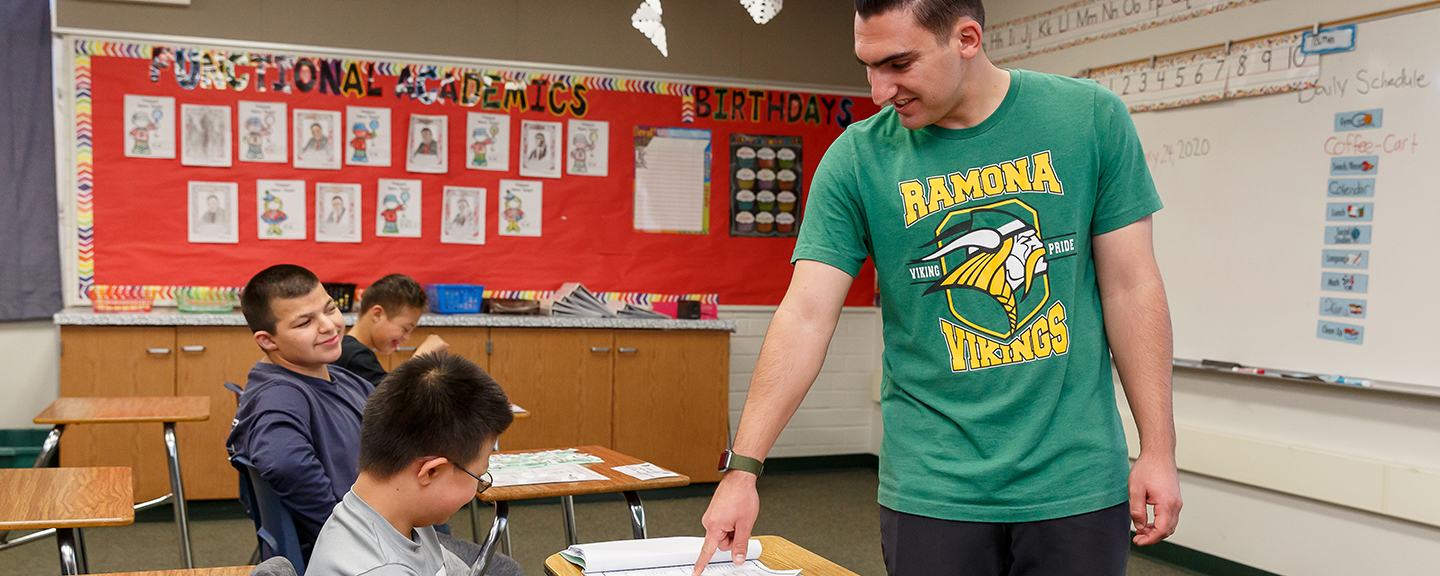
[138, 205]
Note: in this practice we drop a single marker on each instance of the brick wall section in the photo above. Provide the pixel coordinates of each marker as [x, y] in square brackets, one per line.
[839, 415]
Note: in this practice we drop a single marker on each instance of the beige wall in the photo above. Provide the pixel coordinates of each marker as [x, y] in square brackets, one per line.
[809, 42]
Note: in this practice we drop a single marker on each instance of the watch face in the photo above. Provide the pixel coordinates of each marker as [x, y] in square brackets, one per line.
[724, 461]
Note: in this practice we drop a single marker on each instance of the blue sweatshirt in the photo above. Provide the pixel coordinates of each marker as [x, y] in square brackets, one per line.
[303, 434]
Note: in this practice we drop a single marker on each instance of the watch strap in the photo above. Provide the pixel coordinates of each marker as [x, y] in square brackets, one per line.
[735, 461]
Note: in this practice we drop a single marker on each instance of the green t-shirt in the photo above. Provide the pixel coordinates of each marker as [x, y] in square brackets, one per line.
[997, 395]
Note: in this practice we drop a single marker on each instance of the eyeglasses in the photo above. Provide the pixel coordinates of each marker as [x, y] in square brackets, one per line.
[485, 483]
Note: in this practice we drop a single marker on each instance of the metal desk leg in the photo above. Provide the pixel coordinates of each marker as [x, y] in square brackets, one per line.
[567, 511]
[487, 550]
[72, 554]
[50, 451]
[177, 488]
[505, 540]
[637, 514]
[81, 551]
[475, 520]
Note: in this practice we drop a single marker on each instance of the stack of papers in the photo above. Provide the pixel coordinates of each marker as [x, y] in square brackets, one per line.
[545, 475]
[661, 557]
[499, 462]
[572, 299]
[634, 311]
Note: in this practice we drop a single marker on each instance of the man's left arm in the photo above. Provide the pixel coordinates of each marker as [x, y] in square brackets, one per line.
[1137, 323]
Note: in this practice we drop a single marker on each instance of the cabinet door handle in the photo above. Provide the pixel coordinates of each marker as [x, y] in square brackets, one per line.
[629, 350]
[192, 348]
[405, 349]
[598, 349]
[157, 350]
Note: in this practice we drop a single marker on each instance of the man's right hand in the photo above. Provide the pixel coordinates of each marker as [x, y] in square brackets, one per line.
[432, 343]
[730, 518]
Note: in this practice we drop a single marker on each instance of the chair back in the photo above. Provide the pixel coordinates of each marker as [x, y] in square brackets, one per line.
[274, 525]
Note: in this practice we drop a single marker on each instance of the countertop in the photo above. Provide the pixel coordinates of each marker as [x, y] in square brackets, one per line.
[171, 317]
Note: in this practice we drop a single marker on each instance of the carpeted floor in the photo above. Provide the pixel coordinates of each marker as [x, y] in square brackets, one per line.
[832, 513]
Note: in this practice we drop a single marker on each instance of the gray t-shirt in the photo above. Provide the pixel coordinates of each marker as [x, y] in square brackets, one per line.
[358, 540]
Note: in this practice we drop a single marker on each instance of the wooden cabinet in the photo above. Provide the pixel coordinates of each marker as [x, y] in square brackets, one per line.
[668, 409]
[110, 362]
[563, 377]
[208, 357]
[468, 342]
[659, 395]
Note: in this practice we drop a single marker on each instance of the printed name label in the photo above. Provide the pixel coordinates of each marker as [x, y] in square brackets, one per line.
[1354, 166]
[1344, 282]
[1342, 307]
[1345, 259]
[1359, 120]
[1351, 188]
[1347, 234]
[1349, 211]
[1348, 333]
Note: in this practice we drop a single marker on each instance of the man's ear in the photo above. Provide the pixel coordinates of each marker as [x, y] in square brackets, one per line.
[430, 470]
[376, 313]
[967, 37]
[266, 341]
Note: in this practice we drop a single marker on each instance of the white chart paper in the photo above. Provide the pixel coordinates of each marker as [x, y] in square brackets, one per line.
[672, 180]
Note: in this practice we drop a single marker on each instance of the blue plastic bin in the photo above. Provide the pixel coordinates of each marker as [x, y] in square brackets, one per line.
[455, 298]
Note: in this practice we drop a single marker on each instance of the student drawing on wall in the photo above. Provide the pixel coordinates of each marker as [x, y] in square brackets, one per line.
[337, 211]
[144, 125]
[274, 214]
[319, 142]
[204, 134]
[391, 214]
[214, 214]
[539, 156]
[428, 145]
[484, 139]
[256, 132]
[464, 219]
[581, 149]
[363, 135]
[513, 213]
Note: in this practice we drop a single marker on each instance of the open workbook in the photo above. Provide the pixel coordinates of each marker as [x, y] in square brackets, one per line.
[662, 557]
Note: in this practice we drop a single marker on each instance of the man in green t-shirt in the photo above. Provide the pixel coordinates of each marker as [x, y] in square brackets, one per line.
[1008, 214]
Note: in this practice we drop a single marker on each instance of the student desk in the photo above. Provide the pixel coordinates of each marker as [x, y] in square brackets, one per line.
[615, 482]
[167, 410]
[777, 553]
[65, 499]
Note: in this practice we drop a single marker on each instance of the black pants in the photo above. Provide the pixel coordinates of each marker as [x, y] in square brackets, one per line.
[1093, 544]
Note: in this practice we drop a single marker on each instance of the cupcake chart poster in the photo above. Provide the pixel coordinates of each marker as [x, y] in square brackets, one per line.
[766, 184]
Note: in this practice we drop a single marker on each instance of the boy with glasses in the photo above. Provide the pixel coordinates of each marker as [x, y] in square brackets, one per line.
[425, 442]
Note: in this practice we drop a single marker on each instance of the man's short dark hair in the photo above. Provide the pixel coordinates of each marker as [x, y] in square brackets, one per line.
[393, 294]
[433, 405]
[274, 283]
[937, 16]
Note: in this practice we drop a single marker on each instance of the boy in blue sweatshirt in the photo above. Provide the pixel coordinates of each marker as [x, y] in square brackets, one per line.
[299, 418]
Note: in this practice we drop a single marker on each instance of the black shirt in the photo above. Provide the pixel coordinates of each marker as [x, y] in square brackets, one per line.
[361, 360]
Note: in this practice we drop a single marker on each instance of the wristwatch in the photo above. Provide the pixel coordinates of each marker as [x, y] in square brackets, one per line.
[732, 461]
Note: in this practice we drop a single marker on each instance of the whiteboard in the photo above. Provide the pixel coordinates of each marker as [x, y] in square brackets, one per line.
[1245, 184]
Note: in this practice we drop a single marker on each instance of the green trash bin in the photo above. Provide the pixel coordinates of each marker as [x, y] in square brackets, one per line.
[19, 448]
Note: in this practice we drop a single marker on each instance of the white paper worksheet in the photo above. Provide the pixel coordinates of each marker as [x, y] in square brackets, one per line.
[644, 471]
[749, 568]
[545, 475]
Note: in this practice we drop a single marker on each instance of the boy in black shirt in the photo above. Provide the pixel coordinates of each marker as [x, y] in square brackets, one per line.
[389, 310]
